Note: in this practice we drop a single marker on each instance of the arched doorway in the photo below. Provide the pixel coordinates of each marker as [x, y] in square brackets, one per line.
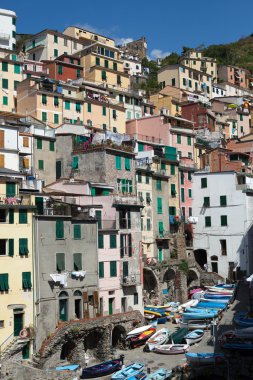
[150, 281]
[63, 306]
[67, 350]
[192, 278]
[118, 336]
[78, 304]
[214, 263]
[93, 341]
[169, 278]
[200, 256]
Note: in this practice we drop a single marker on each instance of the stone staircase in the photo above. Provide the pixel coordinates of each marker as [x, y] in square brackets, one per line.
[13, 348]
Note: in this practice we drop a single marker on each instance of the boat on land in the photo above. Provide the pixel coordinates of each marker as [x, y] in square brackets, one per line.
[162, 320]
[204, 358]
[202, 315]
[226, 286]
[141, 339]
[160, 337]
[160, 374]
[70, 367]
[194, 337]
[178, 336]
[214, 289]
[212, 305]
[152, 312]
[102, 369]
[188, 304]
[244, 319]
[137, 331]
[172, 349]
[211, 299]
[217, 296]
[128, 372]
[158, 309]
[201, 310]
[204, 324]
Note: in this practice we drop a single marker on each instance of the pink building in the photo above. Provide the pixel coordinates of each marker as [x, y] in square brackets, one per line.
[233, 74]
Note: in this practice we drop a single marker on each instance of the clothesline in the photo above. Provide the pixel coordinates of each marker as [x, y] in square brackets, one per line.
[62, 277]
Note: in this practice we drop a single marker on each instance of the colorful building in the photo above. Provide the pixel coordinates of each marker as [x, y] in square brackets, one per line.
[7, 29]
[194, 59]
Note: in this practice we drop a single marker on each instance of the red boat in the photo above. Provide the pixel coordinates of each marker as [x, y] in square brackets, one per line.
[142, 338]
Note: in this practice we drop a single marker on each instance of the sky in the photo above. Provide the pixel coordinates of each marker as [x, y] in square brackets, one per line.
[167, 24]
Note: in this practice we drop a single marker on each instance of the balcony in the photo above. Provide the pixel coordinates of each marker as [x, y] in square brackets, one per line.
[107, 225]
[130, 200]
[151, 139]
[162, 235]
[130, 280]
[88, 146]
[16, 200]
[4, 37]
[161, 172]
[31, 185]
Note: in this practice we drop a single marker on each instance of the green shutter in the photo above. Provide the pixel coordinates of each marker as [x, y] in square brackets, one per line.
[10, 189]
[113, 268]
[114, 114]
[51, 146]
[140, 147]
[115, 67]
[78, 107]
[224, 221]
[16, 68]
[26, 280]
[103, 75]
[160, 228]
[125, 268]
[182, 178]
[98, 214]
[179, 139]
[208, 221]
[4, 282]
[113, 241]
[148, 224]
[189, 176]
[173, 190]
[22, 216]
[97, 61]
[56, 101]
[58, 169]
[159, 206]
[60, 69]
[56, 118]
[11, 216]
[23, 247]
[223, 200]
[5, 100]
[55, 39]
[5, 84]
[77, 231]
[67, 105]
[56, 53]
[104, 110]
[158, 184]
[5, 66]
[60, 261]
[59, 229]
[100, 241]
[44, 99]
[123, 186]
[11, 247]
[106, 64]
[44, 116]
[75, 162]
[77, 261]
[147, 179]
[89, 107]
[189, 140]
[127, 163]
[41, 164]
[160, 254]
[182, 195]
[15, 84]
[172, 169]
[93, 191]
[139, 176]
[39, 143]
[189, 193]
[39, 205]
[118, 162]
[101, 270]
[130, 186]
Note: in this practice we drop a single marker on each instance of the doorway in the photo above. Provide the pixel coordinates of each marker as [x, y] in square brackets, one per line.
[26, 351]
[123, 304]
[111, 301]
[78, 304]
[18, 322]
[63, 306]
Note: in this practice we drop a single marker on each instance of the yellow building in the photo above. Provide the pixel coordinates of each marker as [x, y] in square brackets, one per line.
[10, 76]
[103, 65]
[194, 59]
[87, 37]
[163, 100]
[16, 263]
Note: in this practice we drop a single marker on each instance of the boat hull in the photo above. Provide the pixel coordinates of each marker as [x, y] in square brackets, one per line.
[159, 338]
[204, 358]
[102, 369]
[128, 372]
[194, 337]
[172, 349]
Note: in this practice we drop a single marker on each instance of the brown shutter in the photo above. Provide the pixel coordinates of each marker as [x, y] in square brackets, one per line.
[26, 163]
[85, 296]
[26, 142]
[1, 139]
[95, 298]
[1, 160]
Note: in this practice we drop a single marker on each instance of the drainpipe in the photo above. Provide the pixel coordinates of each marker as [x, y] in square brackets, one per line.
[141, 264]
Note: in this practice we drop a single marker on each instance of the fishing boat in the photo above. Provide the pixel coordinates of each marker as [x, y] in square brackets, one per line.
[202, 309]
[172, 349]
[159, 309]
[162, 320]
[204, 358]
[244, 319]
[149, 316]
[202, 315]
[178, 336]
[212, 305]
[228, 292]
[193, 291]
[204, 324]
[198, 295]
[102, 369]
[139, 340]
[137, 331]
[128, 372]
[160, 337]
[160, 374]
[187, 304]
[194, 337]
[152, 312]
[71, 367]
[226, 286]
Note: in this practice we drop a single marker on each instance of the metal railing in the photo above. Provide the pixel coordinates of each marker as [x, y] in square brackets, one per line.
[162, 234]
[6, 342]
[107, 224]
[16, 200]
[138, 136]
[128, 280]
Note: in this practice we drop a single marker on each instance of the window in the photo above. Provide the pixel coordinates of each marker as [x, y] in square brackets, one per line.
[5, 66]
[223, 200]
[118, 162]
[98, 214]
[100, 241]
[77, 231]
[172, 210]
[89, 107]
[182, 178]
[60, 69]
[189, 193]
[173, 82]
[60, 261]
[189, 82]
[101, 270]
[22, 216]
[3, 251]
[13, 21]
[189, 140]
[147, 179]
[75, 162]
[189, 176]
[16, 68]
[55, 39]
[190, 211]
[160, 228]
[223, 247]
[173, 190]
[41, 164]
[67, 105]
[179, 139]
[23, 247]
[136, 299]
[4, 282]
[97, 61]
[78, 107]
[158, 184]
[78, 73]
[113, 241]
[139, 178]
[127, 163]
[44, 116]
[56, 120]
[206, 202]
[172, 169]
[106, 64]
[59, 229]
[163, 166]
[148, 199]
[118, 79]
[241, 117]
[203, 183]
[159, 206]
[223, 220]
[77, 258]
[5, 84]
[114, 114]
[207, 221]
[104, 126]
[39, 143]
[184, 82]
[113, 268]
[115, 66]
[56, 53]
[103, 75]
[148, 225]
[15, 84]
[26, 280]
[182, 195]
[10, 189]
[5, 100]
[11, 216]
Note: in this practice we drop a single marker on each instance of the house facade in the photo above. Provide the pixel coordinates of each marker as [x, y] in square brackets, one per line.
[7, 29]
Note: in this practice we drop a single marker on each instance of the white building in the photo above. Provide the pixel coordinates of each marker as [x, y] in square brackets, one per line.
[7, 29]
[9, 157]
[223, 233]
[218, 91]
[233, 90]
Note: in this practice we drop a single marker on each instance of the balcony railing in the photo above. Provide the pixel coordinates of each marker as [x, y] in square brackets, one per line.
[130, 280]
[107, 224]
[162, 235]
[152, 139]
[161, 172]
[16, 200]
[126, 200]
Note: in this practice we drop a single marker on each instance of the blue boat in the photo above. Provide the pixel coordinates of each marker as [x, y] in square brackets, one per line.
[204, 358]
[101, 369]
[243, 319]
[226, 286]
[160, 374]
[71, 367]
[212, 305]
[203, 315]
[201, 310]
[128, 372]
[220, 300]
[162, 320]
[217, 296]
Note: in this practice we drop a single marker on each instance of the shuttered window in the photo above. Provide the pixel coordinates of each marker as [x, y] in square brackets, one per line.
[4, 282]
[89, 107]
[173, 190]
[60, 261]
[5, 66]
[51, 146]
[125, 268]
[23, 247]
[10, 189]
[182, 195]
[113, 268]
[113, 241]
[67, 105]
[172, 169]
[78, 107]
[159, 206]
[41, 164]
[1, 139]
[127, 163]
[75, 162]
[26, 280]
[44, 99]
[11, 216]
[158, 184]
[100, 241]
[56, 101]
[22, 216]
[60, 69]
[5, 84]
[77, 261]
[1, 160]
[101, 270]
[59, 229]
[77, 231]
[56, 119]
[11, 247]
[118, 162]
[39, 143]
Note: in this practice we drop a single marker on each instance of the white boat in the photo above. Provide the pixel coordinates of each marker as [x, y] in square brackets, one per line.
[160, 337]
[172, 349]
[214, 289]
[194, 337]
[188, 304]
[137, 331]
[198, 295]
[196, 324]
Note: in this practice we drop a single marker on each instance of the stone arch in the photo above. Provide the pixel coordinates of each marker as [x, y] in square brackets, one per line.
[67, 350]
[193, 278]
[150, 284]
[169, 275]
[118, 336]
[200, 256]
[168, 280]
[214, 258]
[91, 339]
